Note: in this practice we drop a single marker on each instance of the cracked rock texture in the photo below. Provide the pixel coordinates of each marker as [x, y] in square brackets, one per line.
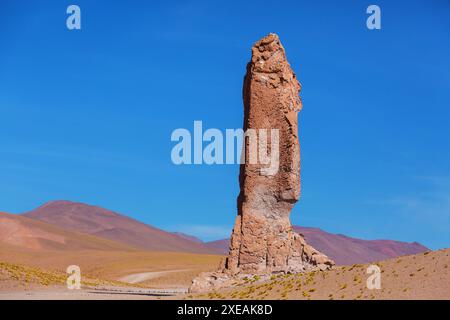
[263, 241]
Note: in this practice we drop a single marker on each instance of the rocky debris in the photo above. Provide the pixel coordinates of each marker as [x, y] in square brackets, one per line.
[263, 241]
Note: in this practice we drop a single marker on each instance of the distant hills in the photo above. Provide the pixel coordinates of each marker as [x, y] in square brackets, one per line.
[103, 223]
[72, 225]
[346, 250]
[26, 234]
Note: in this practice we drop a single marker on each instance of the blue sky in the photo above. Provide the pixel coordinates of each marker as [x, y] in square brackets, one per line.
[87, 115]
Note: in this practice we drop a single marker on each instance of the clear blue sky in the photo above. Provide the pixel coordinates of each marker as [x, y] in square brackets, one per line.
[87, 115]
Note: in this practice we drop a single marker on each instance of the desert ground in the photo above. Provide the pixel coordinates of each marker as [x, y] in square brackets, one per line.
[137, 268]
[420, 276]
[105, 275]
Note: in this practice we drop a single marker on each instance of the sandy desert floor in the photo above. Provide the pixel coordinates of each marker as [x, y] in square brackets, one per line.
[421, 276]
[93, 293]
[139, 268]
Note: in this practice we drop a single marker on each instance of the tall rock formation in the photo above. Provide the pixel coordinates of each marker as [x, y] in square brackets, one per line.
[263, 241]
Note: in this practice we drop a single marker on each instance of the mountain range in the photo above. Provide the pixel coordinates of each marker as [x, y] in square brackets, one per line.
[72, 225]
[103, 223]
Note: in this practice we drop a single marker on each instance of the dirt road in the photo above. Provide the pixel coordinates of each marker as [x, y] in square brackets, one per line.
[91, 294]
[141, 277]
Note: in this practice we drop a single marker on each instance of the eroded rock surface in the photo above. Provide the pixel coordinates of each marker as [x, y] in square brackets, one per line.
[263, 242]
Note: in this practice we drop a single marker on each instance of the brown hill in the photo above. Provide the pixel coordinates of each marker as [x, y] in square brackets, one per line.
[104, 223]
[221, 246]
[188, 236]
[345, 250]
[23, 233]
